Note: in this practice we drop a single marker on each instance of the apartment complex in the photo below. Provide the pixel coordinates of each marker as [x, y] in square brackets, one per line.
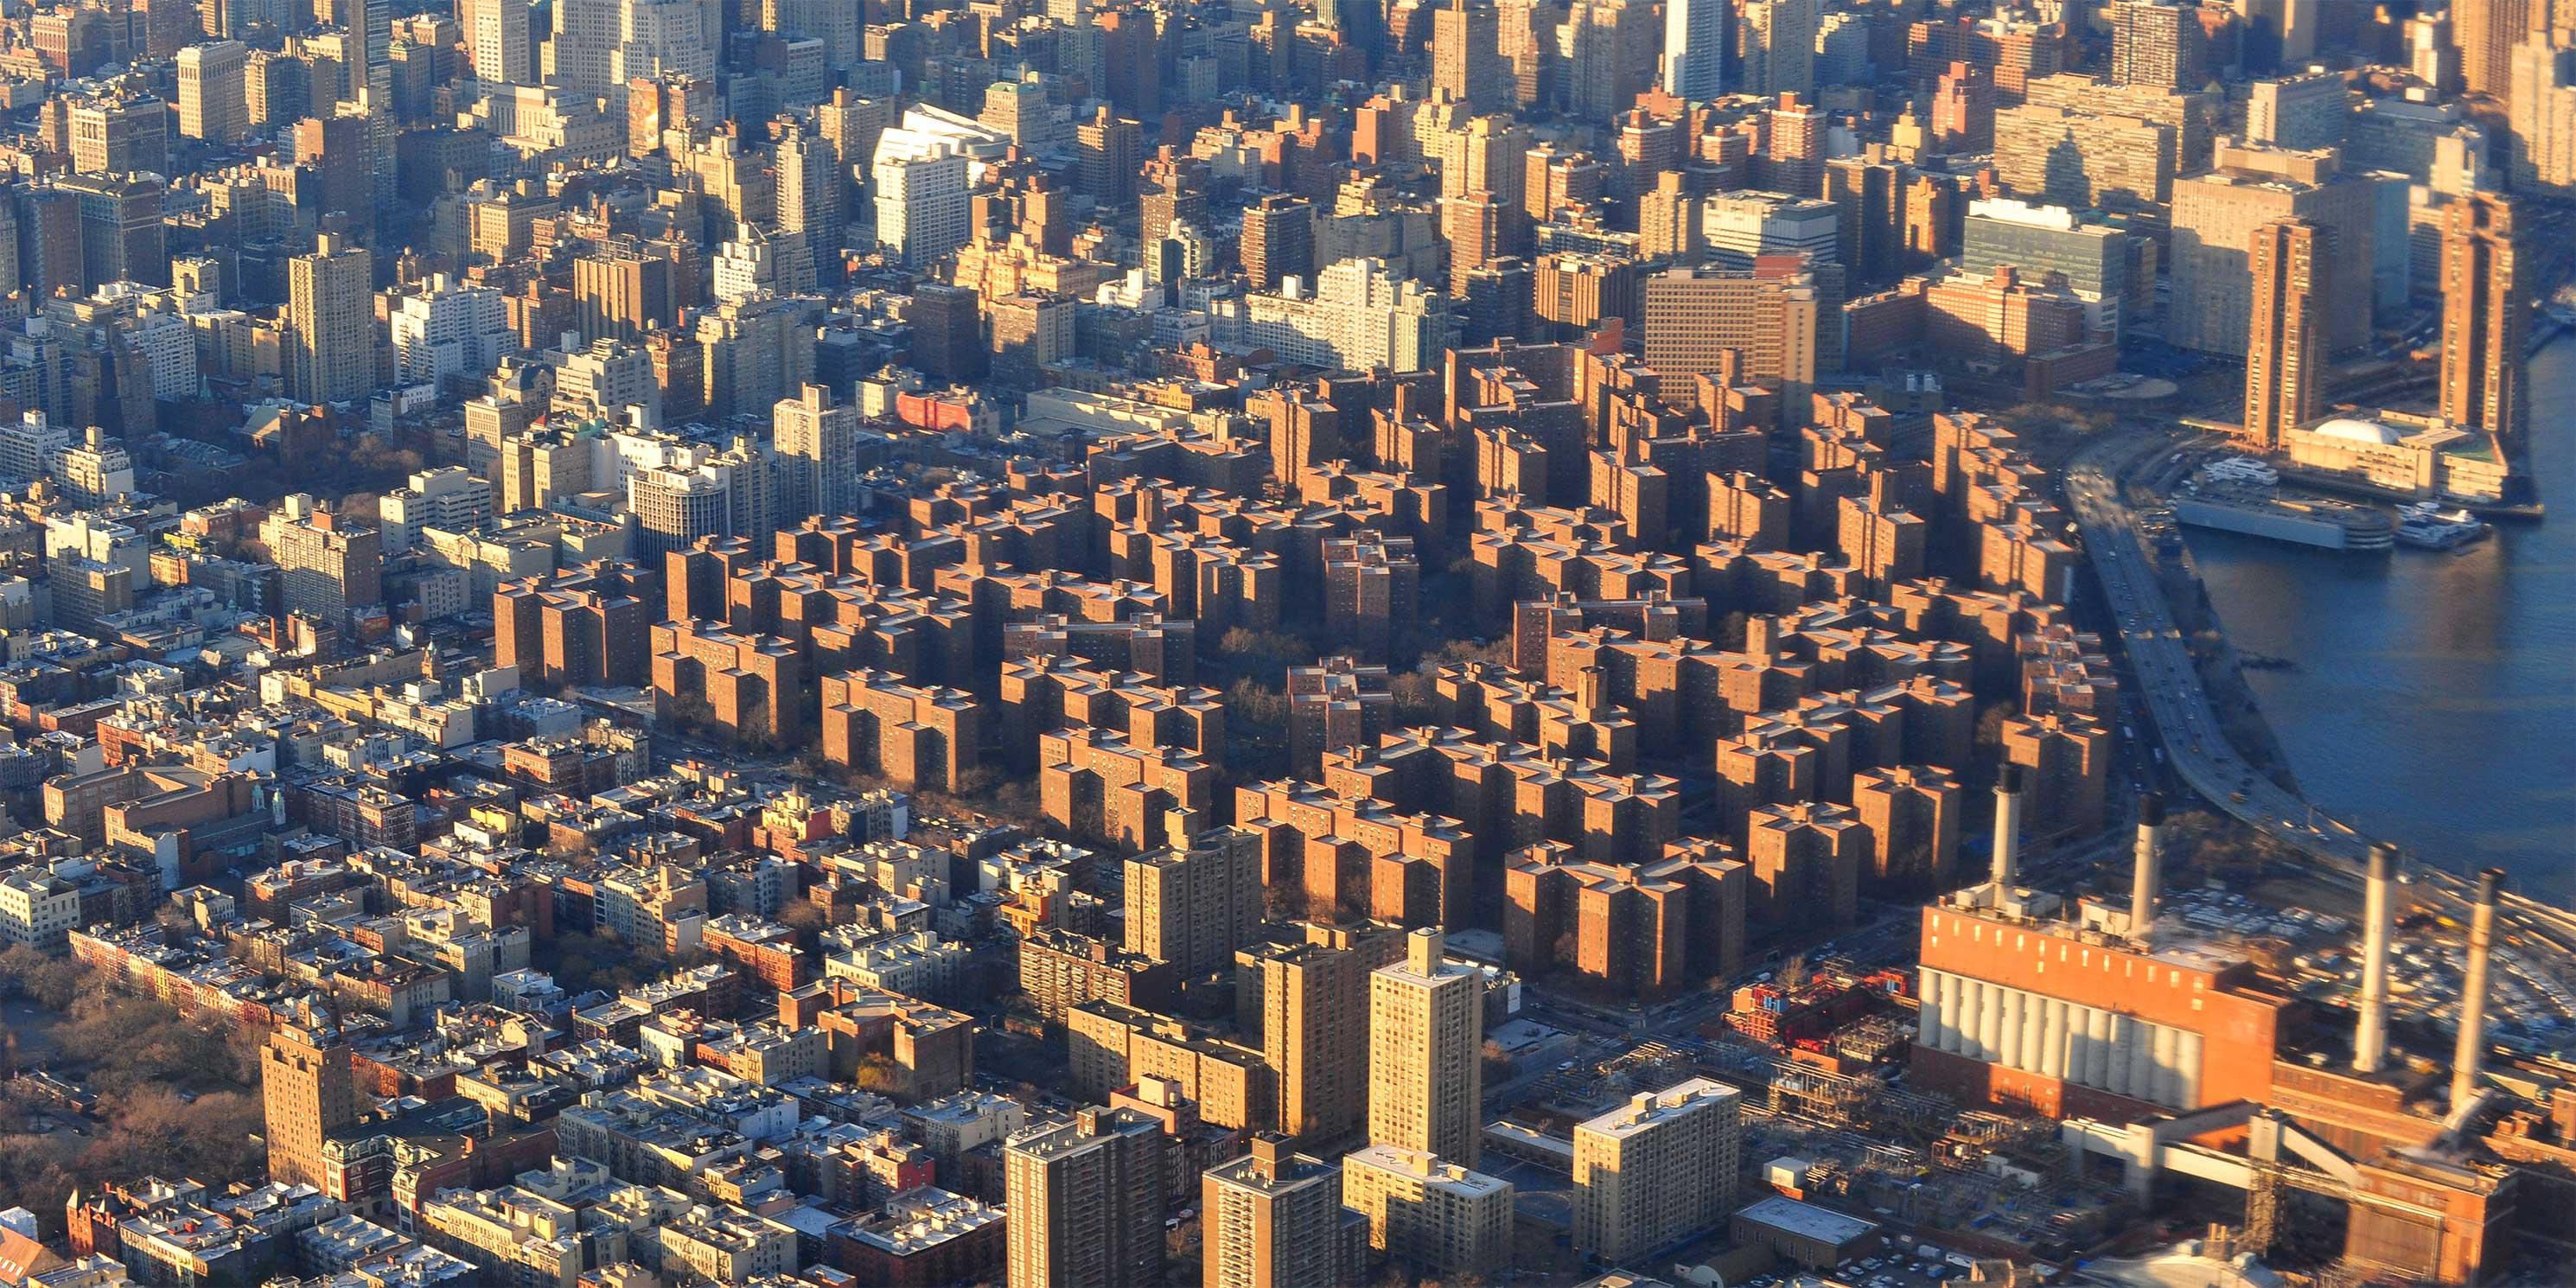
[1656, 1171]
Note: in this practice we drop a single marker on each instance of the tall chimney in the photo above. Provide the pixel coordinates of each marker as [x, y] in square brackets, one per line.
[2370, 1041]
[2147, 875]
[2007, 826]
[2473, 992]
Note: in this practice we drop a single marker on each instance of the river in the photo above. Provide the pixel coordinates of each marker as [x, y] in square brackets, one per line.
[2434, 697]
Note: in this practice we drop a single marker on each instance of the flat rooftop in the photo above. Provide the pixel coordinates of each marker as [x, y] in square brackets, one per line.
[1806, 1220]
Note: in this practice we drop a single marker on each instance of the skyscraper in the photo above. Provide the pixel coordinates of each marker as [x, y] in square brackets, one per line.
[1656, 1170]
[1276, 1220]
[2485, 320]
[2285, 352]
[1086, 1201]
[1426, 1071]
[331, 323]
[1695, 49]
[306, 1092]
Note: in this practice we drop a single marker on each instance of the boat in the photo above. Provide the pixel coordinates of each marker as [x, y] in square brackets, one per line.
[2432, 536]
[2426, 525]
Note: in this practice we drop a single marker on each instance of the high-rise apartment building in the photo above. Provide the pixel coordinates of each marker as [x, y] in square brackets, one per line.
[1656, 1170]
[1475, 226]
[307, 1091]
[2285, 354]
[2541, 113]
[810, 191]
[2298, 112]
[330, 323]
[1779, 47]
[121, 235]
[816, 438]
[1315, 1034]
[1762, 323]
[1467, 57]
[1695, 49]
[1193, 906]
[499, 41]
[1356, 313]
[2485, 321]
[2084, 159]
[1605, 56]
[445, 330]
[1273, 1219]
[1278, 240]
[1426, 1067]
[1435, 1217]
[1086, 1201]
[2156, 43]
[2486, 33]
[1963, 110]
[214, 103]
[622, 292]
[921, 198]
[1794, 160]
[2210, 303]
[327, 564]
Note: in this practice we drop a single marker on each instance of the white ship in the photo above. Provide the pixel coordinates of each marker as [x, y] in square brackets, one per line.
[2426, 525]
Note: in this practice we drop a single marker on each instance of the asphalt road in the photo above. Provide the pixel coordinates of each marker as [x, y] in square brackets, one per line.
[2194, 740]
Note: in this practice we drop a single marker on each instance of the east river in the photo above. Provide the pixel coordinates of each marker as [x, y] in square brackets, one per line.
[2433, 700]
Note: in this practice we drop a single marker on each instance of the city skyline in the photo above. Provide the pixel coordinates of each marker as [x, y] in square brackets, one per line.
[1145, 643]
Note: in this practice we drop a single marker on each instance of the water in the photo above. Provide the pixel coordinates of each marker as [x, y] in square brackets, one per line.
[2434, 701]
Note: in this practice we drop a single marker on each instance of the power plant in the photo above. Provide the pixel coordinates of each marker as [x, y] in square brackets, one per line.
[2172, 1054]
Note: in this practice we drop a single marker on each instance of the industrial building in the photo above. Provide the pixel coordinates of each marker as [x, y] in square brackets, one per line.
[2175, 1053]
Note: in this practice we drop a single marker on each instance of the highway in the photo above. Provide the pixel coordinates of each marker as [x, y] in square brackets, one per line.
[2194, 739]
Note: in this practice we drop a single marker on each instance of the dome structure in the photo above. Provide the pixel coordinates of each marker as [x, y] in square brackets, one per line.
[2355, 429]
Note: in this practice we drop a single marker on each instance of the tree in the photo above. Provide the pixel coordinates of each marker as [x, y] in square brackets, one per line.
[880, 1074]
[1417, 699]
[50, 982]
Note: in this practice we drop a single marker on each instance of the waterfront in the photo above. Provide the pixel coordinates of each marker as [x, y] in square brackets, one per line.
[2434, 697]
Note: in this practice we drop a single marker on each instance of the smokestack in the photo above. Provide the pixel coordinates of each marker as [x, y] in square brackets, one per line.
[2147, 874]
[2007, 826]
[2370, 1041]
[2472, 1050]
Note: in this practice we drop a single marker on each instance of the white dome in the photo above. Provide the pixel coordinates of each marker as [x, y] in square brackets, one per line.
[2357, 430]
